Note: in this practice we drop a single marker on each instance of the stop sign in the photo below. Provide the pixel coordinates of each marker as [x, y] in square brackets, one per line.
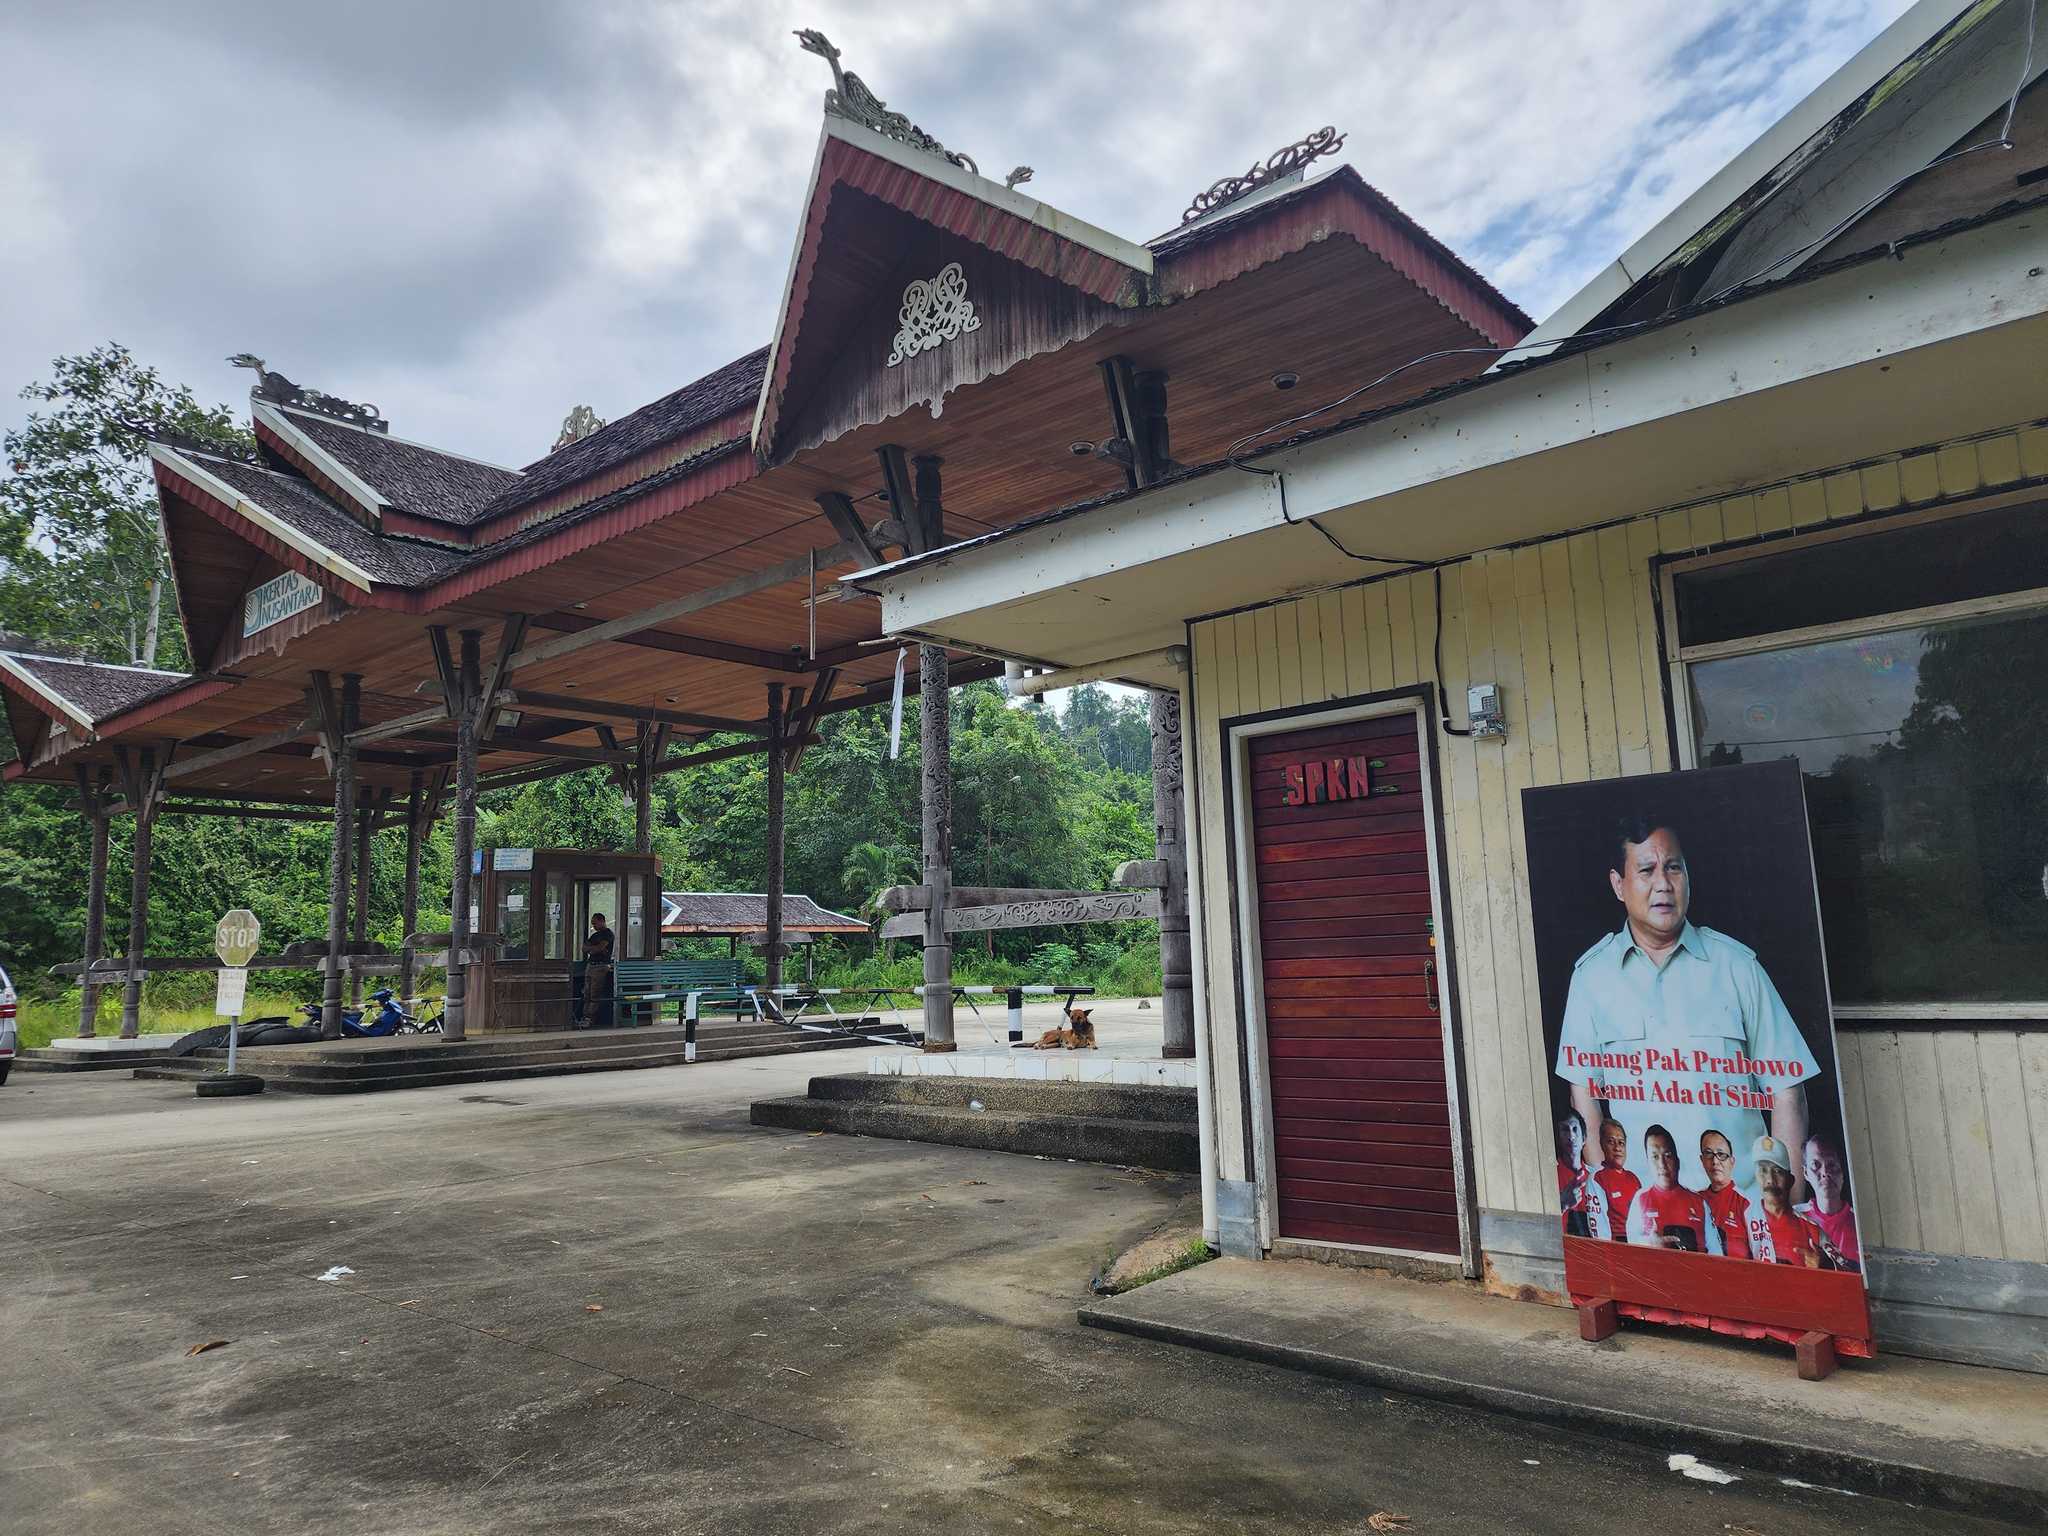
[235, 937]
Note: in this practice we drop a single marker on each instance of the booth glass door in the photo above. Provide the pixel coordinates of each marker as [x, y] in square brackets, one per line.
[1349, 988]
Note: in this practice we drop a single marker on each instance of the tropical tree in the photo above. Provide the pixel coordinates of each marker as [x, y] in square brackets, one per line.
[82, 556]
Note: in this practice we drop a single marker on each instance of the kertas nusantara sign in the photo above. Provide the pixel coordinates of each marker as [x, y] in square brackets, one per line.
[277, 600]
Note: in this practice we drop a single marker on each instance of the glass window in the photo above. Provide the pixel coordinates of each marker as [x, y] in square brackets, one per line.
[1925, 751]
[511, 918]
[555, 919]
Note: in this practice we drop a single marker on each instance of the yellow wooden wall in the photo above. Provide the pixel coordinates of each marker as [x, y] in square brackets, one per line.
[1949, 1129]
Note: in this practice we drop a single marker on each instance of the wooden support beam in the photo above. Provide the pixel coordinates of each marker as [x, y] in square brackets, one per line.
[918, 898]
[510, 638]
[779, 574]
[445, 672]
[682, 645]
[902, 498]
[93, 794]
[244, 813]
[253, 746]
[574, 705]
[713, 755]
[845, 521]
[804, 719]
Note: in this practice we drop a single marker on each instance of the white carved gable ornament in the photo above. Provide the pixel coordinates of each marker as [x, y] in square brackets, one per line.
[934, 312]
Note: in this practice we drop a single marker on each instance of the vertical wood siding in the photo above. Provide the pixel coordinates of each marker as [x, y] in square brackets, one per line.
[1949, 1129]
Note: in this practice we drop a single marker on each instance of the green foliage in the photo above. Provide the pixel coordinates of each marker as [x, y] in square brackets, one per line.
[82, 560]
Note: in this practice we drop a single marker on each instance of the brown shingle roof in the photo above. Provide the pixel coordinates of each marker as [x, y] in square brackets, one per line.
[731, 388]
[96, 689]
[411, 476]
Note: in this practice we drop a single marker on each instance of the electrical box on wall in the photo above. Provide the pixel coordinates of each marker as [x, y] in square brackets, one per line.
[1485, 712]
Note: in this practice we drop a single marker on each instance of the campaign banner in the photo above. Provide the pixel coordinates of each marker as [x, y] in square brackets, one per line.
[1695, 1100]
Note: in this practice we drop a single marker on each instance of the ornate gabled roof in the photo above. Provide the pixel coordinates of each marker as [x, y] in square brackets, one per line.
[89, 691]
[303, 519]
[427, 482]
[739, 912]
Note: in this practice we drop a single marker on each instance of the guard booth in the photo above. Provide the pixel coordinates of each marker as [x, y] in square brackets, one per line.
[539, 902]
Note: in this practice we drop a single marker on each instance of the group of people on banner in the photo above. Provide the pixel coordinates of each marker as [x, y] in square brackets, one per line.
[1716, 1214]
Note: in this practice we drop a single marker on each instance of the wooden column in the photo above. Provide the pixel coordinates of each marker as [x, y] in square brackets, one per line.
[143, 777]
[469, 684]
[778, 767]
[409, 902]
[339, 719]
[92, 799]
[360, 929]
[643, 789]
[935, 738]
[1169, 830]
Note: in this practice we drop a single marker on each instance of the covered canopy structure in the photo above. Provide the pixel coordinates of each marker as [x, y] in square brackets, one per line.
[744, 915]
[383, 628]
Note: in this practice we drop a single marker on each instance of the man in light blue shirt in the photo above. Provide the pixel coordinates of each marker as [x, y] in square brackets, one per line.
[1679, 1018]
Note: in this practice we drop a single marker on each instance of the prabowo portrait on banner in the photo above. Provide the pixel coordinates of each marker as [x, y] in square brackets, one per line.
[1695, 1103]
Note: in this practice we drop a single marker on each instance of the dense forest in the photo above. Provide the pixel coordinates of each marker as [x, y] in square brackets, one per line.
[1042, 796]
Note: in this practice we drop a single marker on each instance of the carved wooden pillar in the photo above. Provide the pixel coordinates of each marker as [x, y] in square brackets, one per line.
[643, 790]
[341, 762]
[778, 767]
[409, 902]
[144, 784]
[1169, 830]
[92, 799]
[360, 929]
[935, 737]
[470, 685]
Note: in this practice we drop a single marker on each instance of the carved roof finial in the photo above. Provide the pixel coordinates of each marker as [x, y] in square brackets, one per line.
[1281, 165]
[1018, 177]
[577, 425]
[851, 99]
[279, 390]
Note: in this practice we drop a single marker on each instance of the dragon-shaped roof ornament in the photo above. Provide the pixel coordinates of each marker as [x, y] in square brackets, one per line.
[279, 390]
[851, 99]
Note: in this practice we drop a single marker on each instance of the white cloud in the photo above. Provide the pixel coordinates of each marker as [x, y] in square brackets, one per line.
[478, 214]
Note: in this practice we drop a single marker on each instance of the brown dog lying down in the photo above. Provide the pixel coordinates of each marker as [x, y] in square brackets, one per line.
[1078, 1035]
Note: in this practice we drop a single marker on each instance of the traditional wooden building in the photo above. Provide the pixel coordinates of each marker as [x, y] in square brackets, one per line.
[1775, 482]
[381, 628]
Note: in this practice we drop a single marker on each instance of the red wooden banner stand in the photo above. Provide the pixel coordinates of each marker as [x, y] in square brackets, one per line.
[1822, 1313]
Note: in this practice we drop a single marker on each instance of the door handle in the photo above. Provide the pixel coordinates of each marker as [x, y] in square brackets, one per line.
[1429, 982]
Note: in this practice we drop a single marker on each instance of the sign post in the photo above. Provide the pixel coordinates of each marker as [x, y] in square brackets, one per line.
[235, 938]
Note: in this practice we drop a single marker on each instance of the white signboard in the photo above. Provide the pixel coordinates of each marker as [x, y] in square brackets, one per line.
[235, 937]
[277, 600]
[511, 858]
[230, 989]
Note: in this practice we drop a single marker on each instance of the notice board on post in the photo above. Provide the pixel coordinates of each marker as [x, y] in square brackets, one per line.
[1695, 1101]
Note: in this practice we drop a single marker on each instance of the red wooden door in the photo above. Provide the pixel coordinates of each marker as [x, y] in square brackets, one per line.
[1354, 1038]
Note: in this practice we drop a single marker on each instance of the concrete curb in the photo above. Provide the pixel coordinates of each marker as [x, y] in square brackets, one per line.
[1904, 1481]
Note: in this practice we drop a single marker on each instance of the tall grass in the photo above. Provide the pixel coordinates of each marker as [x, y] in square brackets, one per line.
[45, 1019]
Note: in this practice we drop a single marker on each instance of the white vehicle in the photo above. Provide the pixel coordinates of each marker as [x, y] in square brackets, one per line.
[8, 1005]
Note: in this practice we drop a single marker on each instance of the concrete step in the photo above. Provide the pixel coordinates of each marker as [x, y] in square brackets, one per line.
[331, 1069]
[1101, 1101]
[46, 1059]
[1141, 1143]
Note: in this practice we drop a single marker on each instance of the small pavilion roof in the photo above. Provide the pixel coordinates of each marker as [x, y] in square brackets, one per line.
[78, 692]
[716, 914]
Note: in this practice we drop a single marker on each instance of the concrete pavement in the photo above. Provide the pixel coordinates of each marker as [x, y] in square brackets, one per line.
[607, 1303]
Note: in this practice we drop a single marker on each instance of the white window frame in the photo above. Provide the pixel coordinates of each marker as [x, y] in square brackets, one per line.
[1679, 658]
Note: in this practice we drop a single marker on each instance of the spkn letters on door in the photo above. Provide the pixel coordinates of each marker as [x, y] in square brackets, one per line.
[1333, 778]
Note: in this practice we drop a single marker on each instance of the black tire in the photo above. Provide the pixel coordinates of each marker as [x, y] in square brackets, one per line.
[228, 1085]
[5, 1068]
[200, 1040]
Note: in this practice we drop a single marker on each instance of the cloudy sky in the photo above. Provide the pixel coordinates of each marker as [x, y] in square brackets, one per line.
[478, 213]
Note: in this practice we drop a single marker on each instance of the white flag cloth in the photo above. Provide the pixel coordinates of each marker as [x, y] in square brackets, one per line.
[896, 707]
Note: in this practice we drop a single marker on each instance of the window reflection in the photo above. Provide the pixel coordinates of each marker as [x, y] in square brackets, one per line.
[1925, 751]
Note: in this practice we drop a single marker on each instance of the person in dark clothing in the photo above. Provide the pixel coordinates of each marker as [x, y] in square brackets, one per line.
[597, 974]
